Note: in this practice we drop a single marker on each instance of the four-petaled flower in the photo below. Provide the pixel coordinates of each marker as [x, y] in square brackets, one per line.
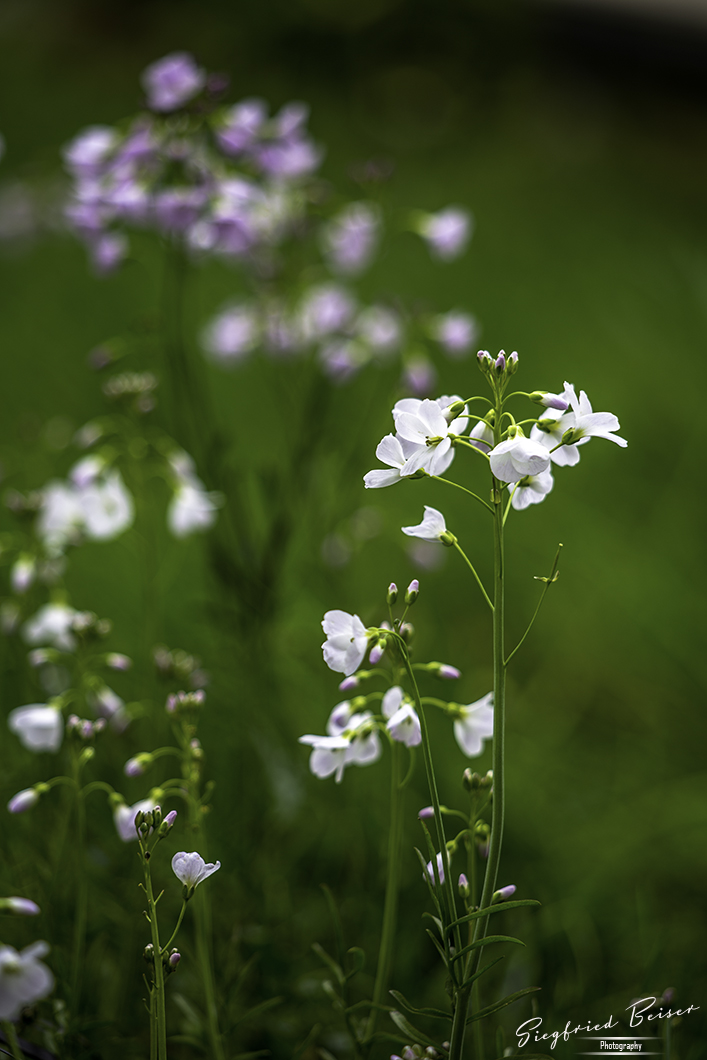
[531, 490]
[191, 869]
[589, 424]
[426, 433]
[346, 643]
[474, 724]
[517, 457]
[357, 744]
[431, 528]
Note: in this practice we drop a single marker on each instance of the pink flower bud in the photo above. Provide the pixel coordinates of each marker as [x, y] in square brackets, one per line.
[116, 661]
[174, 959]
[23, 800]
[22, 906]
[348, 683]
[504, 893]
[448, 673]
[376, 653]
[426, 811]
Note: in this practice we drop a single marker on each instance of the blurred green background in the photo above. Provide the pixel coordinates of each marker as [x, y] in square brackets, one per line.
[584, 165]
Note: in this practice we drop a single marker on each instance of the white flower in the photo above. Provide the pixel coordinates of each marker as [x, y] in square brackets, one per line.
[358, 744]
[481, 436]
[191, 509]
[191, 869]
[86, 470]
[23, 978]
[548, 431]
[588, 424]
[61, 516]
[346, 643]
[474, 724]
[38, 727]
[389, 451]
[425, 427]
[339, 718]
[53, 625]
[403, 722]
[531, 490]
[431, 528]
[108, 508]
[351, 238]
[517, 457]
[447, 232]
[124, 817]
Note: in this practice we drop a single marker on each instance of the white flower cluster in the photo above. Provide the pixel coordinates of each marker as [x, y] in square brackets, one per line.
[422, 441]
[93, 503]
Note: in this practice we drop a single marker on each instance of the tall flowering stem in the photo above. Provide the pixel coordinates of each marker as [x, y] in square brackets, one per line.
[158, 1020]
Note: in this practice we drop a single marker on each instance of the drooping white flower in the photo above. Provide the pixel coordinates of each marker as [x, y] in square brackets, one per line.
[403, 722]
[52, 624]
[108, 508]
[474, 725]
[124, 818]
[517, 457]
[346, 643]
[37, 726]
[588, 424]
[191, 869]
[531, 490]
[431, 528]
[358, 744]
[23, 978]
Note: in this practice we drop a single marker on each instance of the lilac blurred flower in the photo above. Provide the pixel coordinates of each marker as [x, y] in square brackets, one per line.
[351, 238]
[172, 81]
[232, 334]
[24, 800]
[418, 374]
[324, 310]
[52, 624]
[447, 232]
[456, 332]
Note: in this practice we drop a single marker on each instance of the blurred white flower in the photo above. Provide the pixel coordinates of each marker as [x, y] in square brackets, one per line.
[23, 800]
[37, 726]
[358, 744]
[474, 724]
[447, 232]
[346, 643]
[232, 334]
[108, 508]
[429, 870]
[191, 869]
[23, 573]
[23, 978]
[124, 818]
[351, 238]
[455, 332]
[192, 507]
[52, 624]
[61, 516]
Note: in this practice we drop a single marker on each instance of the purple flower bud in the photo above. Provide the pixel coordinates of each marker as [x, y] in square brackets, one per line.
[174, 959]
[392, 593]
[348, 683]
[463, 886]
[23, 800]
[22, 906]
[170, 818]
[376, 653]
[501, 361]
[504, 893]
[172, 81]
[171, 704]
[513, 359]
[134, 767]
[449, 673]
[412, 592]
[426, 811]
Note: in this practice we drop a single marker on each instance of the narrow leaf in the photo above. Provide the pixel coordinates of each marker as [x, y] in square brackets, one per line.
[490, 910]
[415, 1035]
[440, 951]
[336, 922]
[490, 1009]
[330, 963]
[477, 975]
[357, 959]
[434, 1012]
[487, 941]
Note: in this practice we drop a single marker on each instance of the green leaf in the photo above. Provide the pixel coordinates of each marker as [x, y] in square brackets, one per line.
[413, 1033]
[438, 922]
[439, 949]
[357, 961]
[368, 1004]
[434, 1012]
[490, 910]
[304, 1045]
[330, 963]
[490, 1009]
[187, 1039]
[487, 941]
[477, 975]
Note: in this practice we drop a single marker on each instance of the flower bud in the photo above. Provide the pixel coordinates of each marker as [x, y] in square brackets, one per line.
[454, 410]
[485, 361]
[349, 682]
[116, 661]
[464, 889]
[23, 800]
[376, 653]
[500, 363]
[447, 538]
[444, 671]
[174, 959]
[407, 632]
[412, 592]
[503, 894]
[426, 811]
[149, 953]
[167, 824]
[135, 767]
[512, 366]
[570, 436]
[19, 906]
[392, 593]
[471, 780]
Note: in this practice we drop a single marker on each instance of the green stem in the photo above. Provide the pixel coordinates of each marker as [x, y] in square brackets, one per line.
[179, 924]
[498, 804]
[157, 1001]
[476, 497]
[472, 861]
[11, 1035]
[469, 564]
[390, 908]
[81, 905]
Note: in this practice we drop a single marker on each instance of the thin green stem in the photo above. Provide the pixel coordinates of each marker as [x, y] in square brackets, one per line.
[158, 995]
[390, 907]
[456, 485]
[179, 924]
[81, 912]
[11, 1035]
[460, 440]
[548, 582]
[469, 564]
[472, 863]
